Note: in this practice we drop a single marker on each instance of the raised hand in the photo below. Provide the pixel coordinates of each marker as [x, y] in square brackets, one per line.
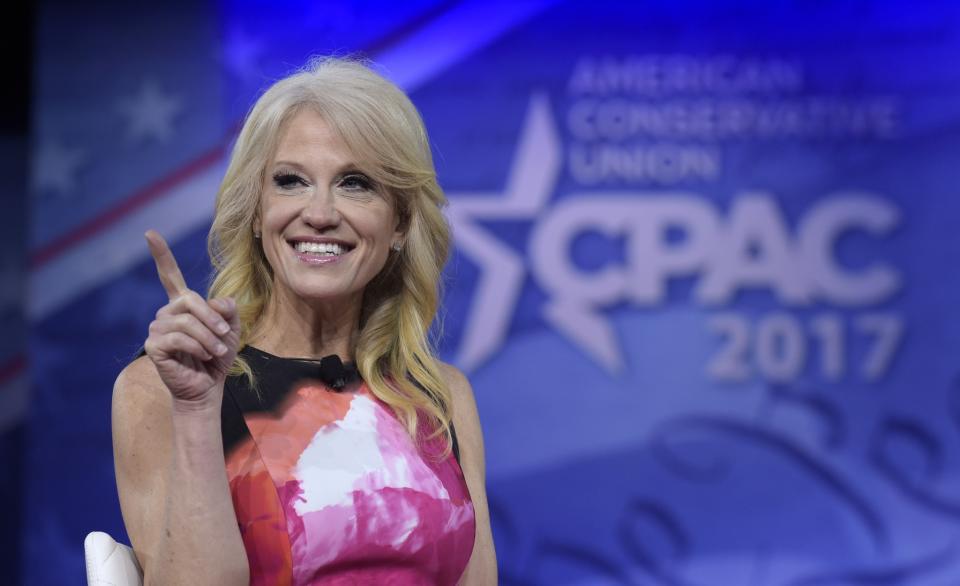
[192, 342]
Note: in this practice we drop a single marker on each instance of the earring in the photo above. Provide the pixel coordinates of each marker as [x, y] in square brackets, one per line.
[256, 235]
[396, 246]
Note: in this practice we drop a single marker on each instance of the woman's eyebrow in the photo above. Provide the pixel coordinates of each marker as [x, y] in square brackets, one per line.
[294, 164]
[347, 167]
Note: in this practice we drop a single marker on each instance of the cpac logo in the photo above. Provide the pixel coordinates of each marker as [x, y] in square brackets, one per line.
[750, 246]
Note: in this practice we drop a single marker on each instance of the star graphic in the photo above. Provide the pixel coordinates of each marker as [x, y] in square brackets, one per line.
[241, 53]
[55, 168]
[150, 113]
[533, 175]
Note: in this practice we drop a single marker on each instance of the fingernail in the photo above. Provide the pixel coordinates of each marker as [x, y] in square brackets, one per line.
[223, 328]
[221, 349]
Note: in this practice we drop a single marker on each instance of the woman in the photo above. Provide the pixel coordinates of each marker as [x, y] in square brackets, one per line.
[241, 458]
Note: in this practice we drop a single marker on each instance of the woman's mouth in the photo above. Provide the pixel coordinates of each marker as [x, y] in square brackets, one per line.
[320, 252]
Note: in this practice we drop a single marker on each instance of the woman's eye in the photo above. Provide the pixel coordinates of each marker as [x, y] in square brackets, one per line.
[288, 180]
[356, 182]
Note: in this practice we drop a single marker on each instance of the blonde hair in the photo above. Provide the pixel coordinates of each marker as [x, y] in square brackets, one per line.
[393, 353]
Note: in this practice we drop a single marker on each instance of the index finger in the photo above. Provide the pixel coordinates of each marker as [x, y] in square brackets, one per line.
[167, 268]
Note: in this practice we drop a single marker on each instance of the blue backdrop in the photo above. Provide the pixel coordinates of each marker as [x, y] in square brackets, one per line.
[704, 284]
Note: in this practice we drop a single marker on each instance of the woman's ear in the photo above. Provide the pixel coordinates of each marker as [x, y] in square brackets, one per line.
[402, 225]
[399, 233]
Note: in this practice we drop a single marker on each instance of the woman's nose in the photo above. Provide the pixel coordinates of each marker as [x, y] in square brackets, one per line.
[320, 211]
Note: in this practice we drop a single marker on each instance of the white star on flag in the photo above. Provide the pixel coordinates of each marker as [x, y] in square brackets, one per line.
[55, 168]
[150, 113]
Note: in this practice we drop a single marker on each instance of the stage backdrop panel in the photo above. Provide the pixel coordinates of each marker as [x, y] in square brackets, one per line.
[704, 284]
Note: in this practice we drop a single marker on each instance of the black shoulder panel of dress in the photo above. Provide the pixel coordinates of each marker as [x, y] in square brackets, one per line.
[275, 378]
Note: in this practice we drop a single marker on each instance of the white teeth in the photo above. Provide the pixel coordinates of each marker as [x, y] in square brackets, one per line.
[327, 248]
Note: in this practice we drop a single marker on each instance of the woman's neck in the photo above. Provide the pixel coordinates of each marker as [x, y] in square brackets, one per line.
[298, 328]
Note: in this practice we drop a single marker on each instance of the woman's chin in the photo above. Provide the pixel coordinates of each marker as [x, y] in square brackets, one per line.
[322, 293]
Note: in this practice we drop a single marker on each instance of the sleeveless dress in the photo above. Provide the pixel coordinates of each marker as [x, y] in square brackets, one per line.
[330, 489]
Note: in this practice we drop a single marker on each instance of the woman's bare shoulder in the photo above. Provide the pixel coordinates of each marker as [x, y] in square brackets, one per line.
[138, 394]
[140, 382]
[454, 377]
[464, 408]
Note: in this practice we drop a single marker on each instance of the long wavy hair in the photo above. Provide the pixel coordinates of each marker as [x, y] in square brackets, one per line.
[393, 353]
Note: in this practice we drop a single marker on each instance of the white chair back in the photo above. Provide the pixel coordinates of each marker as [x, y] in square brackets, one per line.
[110, 563]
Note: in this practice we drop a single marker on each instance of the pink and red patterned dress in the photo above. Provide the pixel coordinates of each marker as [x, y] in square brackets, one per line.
[330, 489]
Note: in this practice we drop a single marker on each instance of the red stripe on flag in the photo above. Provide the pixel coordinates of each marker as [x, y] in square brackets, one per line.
[139, 199]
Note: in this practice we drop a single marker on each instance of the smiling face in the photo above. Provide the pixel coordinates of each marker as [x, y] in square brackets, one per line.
[326, 226]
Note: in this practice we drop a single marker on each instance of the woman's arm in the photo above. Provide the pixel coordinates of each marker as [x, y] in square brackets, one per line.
[167, 443]
[172, 483]
[482, 568]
